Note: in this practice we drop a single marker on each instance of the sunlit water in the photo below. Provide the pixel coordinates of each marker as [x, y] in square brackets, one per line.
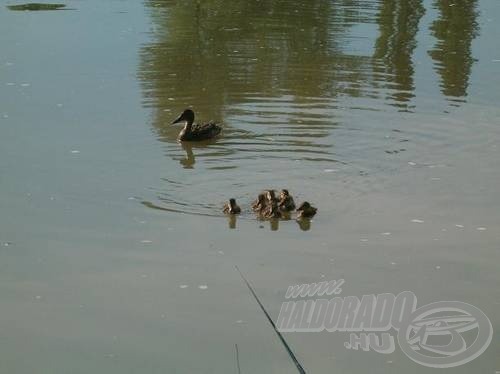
[114, 254]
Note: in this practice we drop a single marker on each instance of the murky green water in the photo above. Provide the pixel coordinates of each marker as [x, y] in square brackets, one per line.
[114, 256]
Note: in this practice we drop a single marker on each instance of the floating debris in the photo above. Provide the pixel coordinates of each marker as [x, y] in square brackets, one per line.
[417, 221]
[386, 233]
[330, 170]
[36, 6]
[183, 286]
[75, 151]
[202, 286]
[481, 229]
[411, 163]
[146, 241]
[460, 226]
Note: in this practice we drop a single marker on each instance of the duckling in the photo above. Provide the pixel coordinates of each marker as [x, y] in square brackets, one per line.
[305, 210]
[259, 204]
[286, 202]
[271, 211]
[231, 207]
[270, 196]
[196, 132]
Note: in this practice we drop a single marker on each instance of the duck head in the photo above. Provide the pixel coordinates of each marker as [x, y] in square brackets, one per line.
[186, 116]
[270, 195]
[232, 203]
[284, 193]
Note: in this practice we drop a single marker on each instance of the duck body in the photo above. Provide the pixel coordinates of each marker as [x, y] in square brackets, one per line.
[305, 210]
[271, 211]
[196, 132]
[259, 205]
[231, 207]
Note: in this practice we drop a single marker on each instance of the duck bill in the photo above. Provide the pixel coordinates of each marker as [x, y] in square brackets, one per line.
[177, 120]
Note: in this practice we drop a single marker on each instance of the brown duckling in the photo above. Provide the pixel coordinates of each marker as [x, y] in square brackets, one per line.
[272, 211]
[270, 196]
[259, 204]
[305, 210]
[286, 202]
[231, 207]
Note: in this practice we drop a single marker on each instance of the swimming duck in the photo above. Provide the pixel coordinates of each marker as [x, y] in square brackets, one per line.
[271, 211]
[231, 207]
[286, 202]
[259, 204]
[196, 132]
[305, 210]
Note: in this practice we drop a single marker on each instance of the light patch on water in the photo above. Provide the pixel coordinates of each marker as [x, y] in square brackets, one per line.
[183, 286]
[75, 151]
[202, 286]
[415, 220]
[146, 241]
[481, 229]
[460, 226]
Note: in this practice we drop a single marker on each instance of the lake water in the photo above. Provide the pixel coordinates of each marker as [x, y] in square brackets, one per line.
[114, 254]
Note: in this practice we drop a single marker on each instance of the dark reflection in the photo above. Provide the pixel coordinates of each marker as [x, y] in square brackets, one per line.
[189, 160]
[454, 30]
[304, 224]
[274, 224]
[213, 53]
[398, 25]
[231, 220]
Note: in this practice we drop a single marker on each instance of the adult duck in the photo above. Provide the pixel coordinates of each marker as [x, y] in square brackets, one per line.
[195, 132]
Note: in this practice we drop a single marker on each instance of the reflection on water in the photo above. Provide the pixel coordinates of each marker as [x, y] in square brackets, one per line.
[454, 30]
[398, 25]
[277, 74]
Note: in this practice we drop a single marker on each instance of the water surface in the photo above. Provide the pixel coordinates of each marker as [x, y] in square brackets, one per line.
[114, 254]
